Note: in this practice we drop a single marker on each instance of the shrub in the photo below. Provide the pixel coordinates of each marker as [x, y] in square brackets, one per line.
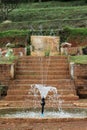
[28, 51]
[67, 32]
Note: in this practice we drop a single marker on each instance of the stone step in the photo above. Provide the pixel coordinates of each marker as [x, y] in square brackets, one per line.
[43, 57]
[42, 62]
[38, 81]
[34, 104]
[40, 72]
[34, 64]
[31, 97]
[36, 68]
[40, 77]
[59, 81]
[60, 84]
[20, 86]
[30, 91]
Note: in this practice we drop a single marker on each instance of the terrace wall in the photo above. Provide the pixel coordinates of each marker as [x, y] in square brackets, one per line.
[80, 77]
[6, 73]
[17, 51]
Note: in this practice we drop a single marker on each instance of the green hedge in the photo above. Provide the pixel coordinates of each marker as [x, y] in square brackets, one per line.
[12, 33]
[76, 31]
[64, 34]
[67, 32]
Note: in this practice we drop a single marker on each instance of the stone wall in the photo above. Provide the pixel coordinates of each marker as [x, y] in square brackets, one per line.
[16, 40]
[44, 44]
[80, 77]
[5, 73]
[19, 51]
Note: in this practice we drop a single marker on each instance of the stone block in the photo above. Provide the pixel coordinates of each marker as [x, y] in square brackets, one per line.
[42, 44]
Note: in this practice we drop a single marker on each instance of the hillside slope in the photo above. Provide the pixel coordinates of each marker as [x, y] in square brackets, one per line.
[47, 15]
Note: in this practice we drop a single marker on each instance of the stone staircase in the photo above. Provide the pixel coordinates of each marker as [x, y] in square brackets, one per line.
[51, 71]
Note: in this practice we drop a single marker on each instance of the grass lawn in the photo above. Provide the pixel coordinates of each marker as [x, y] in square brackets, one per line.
[80, 59]
[5, 60]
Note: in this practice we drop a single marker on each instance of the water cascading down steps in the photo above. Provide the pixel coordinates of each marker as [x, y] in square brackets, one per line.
[50, 71]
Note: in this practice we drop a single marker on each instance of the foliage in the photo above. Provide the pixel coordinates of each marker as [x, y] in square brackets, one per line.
[5, 60]
[76, 31]
[12, 33]
[6, 6]
[53, 14]
[67, 32]
[47, 52]
[26, 1]
[28, 51]
[28, 14]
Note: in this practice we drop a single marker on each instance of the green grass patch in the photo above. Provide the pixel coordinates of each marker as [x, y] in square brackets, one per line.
[10, 60]
[80, 59]
[76, 31]
[12, 33]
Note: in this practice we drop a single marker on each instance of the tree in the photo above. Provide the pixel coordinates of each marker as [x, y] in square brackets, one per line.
[6, 6]
[40, 0]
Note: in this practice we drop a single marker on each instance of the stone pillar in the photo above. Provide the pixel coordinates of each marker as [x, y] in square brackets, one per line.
[12, 71]
[72, 69]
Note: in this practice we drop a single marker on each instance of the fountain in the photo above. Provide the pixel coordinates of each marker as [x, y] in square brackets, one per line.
[43, 93]
[37, 119]
[43, 89]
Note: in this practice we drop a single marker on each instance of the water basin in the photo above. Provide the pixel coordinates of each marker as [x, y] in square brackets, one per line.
[69, 113]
